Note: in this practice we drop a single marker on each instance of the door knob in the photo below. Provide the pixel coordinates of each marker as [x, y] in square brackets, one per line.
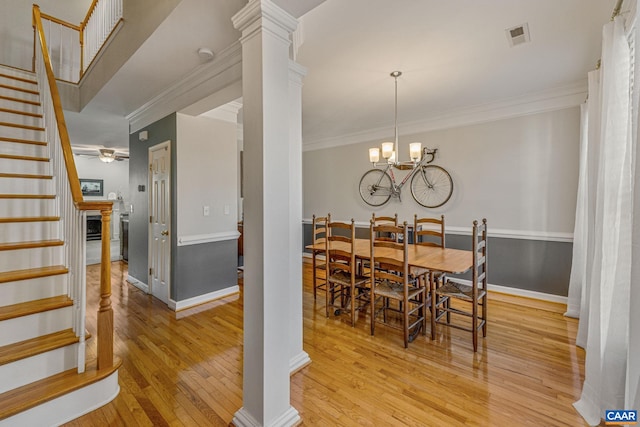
[164, 232]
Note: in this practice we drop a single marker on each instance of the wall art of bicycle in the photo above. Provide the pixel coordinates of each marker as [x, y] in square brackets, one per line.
[431, 185]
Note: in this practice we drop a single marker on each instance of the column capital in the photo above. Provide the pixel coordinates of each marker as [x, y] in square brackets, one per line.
[265, 14]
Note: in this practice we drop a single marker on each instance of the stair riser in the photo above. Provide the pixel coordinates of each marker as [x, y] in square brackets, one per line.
[23, 149]
[13, 132]
[16, 83]
[29, 231]
[24, 166]
[10, 71]
[26, 207]
[32, 289]
[12, 93]
[27, 327]
[20, 106]
[35, 368]
[21, 119]
[26, 186]
[30, 258]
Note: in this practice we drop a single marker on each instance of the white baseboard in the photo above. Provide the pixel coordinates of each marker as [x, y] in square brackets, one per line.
[243, 418]
[138, 284]
[201, 299]
[521, 292]
[527, 293]
[298, 362]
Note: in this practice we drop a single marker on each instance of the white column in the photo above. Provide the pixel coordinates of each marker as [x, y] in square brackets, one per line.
[298, 357]
[265, 93]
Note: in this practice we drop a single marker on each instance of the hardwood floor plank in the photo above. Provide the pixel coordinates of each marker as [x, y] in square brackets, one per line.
[185, 368]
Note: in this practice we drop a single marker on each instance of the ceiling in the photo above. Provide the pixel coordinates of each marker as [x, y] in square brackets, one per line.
[454, 55]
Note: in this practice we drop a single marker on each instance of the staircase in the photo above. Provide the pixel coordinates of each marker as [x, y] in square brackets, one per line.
[44, 377]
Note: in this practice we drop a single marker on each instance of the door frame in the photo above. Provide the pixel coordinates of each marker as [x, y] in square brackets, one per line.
[163, 145]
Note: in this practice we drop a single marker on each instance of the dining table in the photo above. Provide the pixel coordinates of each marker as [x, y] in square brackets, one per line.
[432, 258]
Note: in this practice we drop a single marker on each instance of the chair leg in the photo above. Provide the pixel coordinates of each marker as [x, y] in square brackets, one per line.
[484, 315]
[353, 305]
[405, 321]
[314, 275]
[474, 325]
[328, 289]
[434, 309]
[373, 309]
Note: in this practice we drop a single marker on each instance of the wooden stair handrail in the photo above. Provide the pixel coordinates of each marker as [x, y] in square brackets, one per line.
[105, 311]
[72, 173]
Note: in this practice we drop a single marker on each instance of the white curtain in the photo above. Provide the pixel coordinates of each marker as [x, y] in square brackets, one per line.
[600, 288]
[579, 264]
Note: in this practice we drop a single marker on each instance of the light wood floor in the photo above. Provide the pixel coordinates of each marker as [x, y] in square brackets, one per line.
[185, 368]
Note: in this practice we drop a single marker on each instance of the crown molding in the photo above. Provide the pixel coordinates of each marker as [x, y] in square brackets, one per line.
[227, 112]
[208, 78]
[548, 100]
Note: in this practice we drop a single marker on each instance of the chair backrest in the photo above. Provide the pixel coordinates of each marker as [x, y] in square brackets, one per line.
[479, 247]
[319, 228]
[429, 231]
[385, 220]
[385, 253]
[340, 247]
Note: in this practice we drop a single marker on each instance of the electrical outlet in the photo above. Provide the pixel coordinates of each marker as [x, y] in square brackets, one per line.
[226, 209]
[205, 210]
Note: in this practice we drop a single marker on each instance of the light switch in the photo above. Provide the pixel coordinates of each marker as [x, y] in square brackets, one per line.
[205, 210]
[226, 209]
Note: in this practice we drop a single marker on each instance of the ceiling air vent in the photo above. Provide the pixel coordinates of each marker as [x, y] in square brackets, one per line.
[518, 35]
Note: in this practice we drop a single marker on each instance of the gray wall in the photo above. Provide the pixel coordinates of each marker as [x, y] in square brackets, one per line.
[533, 265]
[160, 131]
[195, 269]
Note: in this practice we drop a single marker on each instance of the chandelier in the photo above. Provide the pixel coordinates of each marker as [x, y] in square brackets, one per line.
[390, 149]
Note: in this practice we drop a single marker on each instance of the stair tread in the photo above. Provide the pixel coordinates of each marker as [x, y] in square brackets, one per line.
[21, 126]
[20, 79]
[24, 101]
[20, 399]
[30, 245]
[35, 306]
[29, 219]
[24, 175]
[19, 89]
[27, 196]
[38, 345]
[29, 158]
[32, 273]
[22, 141]
[22, 113]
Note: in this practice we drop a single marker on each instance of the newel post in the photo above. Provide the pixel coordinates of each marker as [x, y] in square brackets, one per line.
[105, 312]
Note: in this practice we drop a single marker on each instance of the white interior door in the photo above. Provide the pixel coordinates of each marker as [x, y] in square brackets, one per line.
[159, 220]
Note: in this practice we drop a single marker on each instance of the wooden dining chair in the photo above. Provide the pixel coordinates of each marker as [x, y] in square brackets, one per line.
[394, 283]
[472, 298]
[385, 220]
[319, 230]
[428, 232]
[344, 284]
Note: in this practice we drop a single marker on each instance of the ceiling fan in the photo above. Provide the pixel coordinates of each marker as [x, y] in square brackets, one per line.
[107, 155]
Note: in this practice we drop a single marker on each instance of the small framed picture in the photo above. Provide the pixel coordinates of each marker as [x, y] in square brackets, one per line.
[92, 187]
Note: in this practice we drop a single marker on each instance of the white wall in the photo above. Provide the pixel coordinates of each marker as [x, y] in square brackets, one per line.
[114, 174]
[16, 32]
[206, 176]
[519, 173]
